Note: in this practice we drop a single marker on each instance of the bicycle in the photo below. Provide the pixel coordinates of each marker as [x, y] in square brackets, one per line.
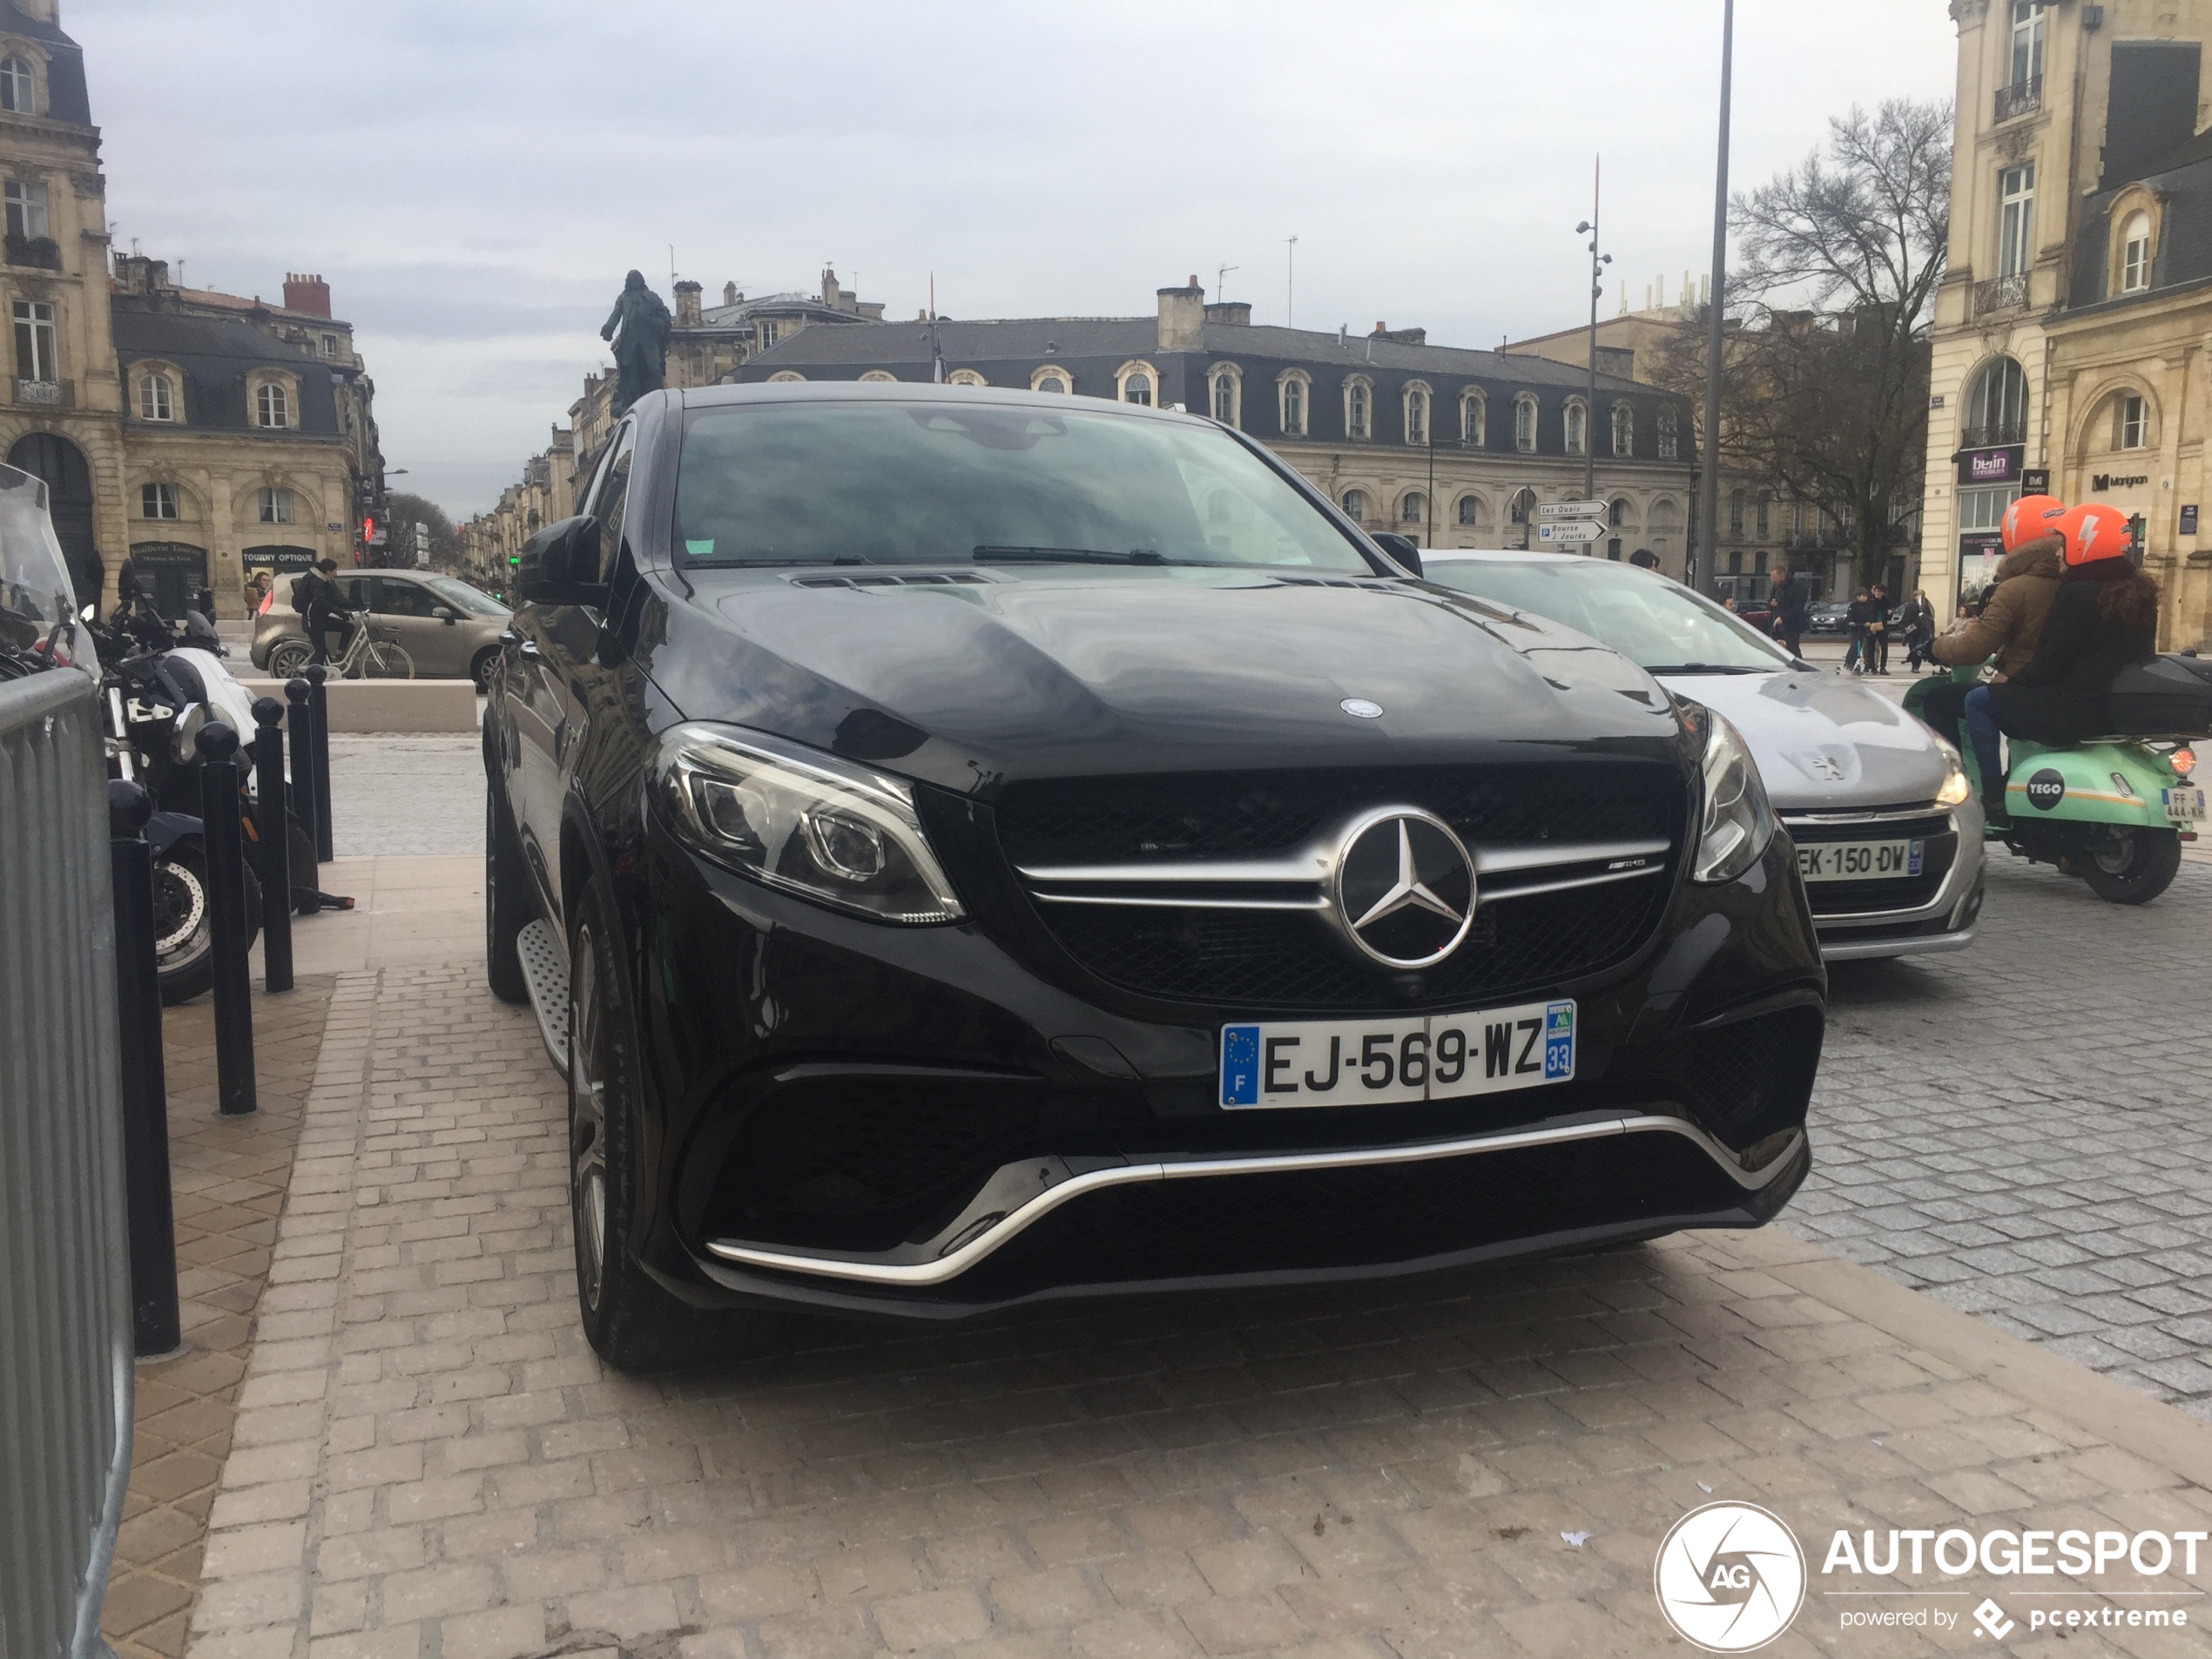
[371, 653]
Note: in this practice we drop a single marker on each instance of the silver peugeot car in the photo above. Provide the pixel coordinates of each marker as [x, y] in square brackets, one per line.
[1888, 831]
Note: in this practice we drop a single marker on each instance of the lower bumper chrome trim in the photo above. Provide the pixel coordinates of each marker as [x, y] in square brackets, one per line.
[990, 1222]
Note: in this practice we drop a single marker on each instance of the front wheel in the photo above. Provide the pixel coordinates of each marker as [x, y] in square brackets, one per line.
[2132, 866]
[381, 660]
[288, 659]
[184, 921]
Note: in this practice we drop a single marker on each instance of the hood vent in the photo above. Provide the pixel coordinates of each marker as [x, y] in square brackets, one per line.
[921, 579]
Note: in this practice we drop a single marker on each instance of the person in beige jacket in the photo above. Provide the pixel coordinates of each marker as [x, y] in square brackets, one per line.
[2009, 628]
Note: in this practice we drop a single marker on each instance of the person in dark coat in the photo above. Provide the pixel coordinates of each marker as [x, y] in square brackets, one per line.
[1919, 629]
[1791, 605]
[2104, 618]
[1860, 614]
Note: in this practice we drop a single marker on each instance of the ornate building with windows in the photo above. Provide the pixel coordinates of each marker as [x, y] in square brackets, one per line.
[200, 435]
[2072, 336]
[1452, 447]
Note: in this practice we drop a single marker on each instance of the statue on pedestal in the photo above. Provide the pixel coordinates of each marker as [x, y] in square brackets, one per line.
[640, 352]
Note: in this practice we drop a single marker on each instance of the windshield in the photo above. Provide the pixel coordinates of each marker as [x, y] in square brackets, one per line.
[932, 483]
[1656, 623]
[35, 591]
[468, 598]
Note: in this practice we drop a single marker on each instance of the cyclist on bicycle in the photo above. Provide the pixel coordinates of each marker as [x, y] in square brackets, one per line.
[323, 608]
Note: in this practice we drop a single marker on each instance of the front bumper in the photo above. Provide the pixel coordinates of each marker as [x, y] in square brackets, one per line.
[915, 1120]
[1944, 919]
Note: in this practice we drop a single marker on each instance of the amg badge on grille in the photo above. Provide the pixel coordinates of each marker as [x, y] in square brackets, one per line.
[1402, 887]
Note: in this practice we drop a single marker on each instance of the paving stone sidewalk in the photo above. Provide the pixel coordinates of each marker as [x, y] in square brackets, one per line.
[430, 1464]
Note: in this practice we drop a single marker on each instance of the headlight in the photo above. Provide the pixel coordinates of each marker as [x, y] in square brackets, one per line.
[1955, 787]
[804, 822]
[183, 735]
[1738, 823]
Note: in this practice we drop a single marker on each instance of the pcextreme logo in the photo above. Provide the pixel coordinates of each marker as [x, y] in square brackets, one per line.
[1730, 1577]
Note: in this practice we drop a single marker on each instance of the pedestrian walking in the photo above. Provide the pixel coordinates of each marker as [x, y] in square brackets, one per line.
[1855, 618]
[1919, 629]
[1878, 629]
[1788, 597]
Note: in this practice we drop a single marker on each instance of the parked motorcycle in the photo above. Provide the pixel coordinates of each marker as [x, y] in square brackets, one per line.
[2115, 810]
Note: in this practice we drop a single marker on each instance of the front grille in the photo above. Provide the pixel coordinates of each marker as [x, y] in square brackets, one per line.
[1874, 898]
[1743, 1081]
[1385, 1213]
[1292, 959]
[1102, 820]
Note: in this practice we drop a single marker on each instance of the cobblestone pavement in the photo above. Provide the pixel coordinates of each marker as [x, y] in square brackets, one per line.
[405, 795]
[430, 1464]
[2019, 1129]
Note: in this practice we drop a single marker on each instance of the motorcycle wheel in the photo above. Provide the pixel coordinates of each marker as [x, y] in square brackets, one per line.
[183, 926]
[2132, 866]
[288, 659]
[383, 661]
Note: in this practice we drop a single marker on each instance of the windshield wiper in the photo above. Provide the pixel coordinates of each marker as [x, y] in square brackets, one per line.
[1712, 668]
[1067, 556]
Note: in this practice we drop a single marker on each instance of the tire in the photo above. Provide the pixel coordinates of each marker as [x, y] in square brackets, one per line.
[381, 660]
[480, 669]
[507, 905]
[183, 927]
[629, 1320]
[2134, 867]
[288, 659]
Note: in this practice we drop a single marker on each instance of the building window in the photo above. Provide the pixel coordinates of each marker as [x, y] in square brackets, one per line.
[1292, 391]
[156, 500]
[765, 332]
[1471, 510]
[1356, 409]
[275, 506]
[2134, 254]
[1669, 436]
[156, 400]
[1228, 395]
[1355, 505]
[18, 93]
[271, 406]
[1136, 387]
[2027, 42]
[1416, 416]
[2131, 421]
[1414, 509]
[1577, 426]
[1524, 424]
[1471, 411]
[2016, 219]
[965, 377]
[1983, 509]
[1612, 548]
[26, 209]
[1624, 430]
[330, 344]
[1996, 405]
[1736, 512]
[34, 354]
[1052, 383]
[1765, 503]
[1617, 514]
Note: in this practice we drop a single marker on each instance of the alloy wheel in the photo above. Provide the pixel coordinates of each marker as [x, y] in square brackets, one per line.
[587, 1119]
[180, 911]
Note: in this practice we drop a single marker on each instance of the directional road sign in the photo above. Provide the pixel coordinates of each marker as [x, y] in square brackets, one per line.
[1570, 530]
[1570, 510]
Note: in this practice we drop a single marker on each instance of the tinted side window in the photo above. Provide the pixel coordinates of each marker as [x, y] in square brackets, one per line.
[395, 598]
[608, 498]
[354, 592]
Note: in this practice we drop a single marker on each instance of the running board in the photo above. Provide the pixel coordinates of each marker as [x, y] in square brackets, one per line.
[545, 971]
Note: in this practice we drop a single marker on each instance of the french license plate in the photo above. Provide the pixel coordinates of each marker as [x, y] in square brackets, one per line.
[2184, 805]
[1860, 860]
[1387, 1062]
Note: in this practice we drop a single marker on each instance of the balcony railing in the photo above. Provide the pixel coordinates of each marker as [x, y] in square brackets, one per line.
[55, 393]
[1816, 541]
[2021, 97]
[1993, 437]
[2000, 293]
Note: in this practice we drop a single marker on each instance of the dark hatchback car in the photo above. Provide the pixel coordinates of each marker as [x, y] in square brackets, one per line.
[971, 848]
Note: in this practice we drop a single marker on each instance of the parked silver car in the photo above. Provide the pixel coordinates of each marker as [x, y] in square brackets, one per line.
[1889, 834]
[451, 628]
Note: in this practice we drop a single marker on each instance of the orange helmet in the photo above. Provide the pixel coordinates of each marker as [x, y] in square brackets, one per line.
[2029, 517]
[2094, 532]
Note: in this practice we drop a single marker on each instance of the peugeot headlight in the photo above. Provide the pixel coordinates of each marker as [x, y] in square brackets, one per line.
[1955, 787]
[1738, 823]
[793, 818]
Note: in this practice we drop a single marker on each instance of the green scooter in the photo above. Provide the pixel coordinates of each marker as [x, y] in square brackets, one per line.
[2113, 812]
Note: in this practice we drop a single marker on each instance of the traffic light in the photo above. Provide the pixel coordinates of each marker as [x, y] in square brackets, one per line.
[368, 529]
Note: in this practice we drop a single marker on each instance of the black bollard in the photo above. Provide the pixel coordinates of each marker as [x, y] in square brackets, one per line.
[302, 723]
[220, 831]
[155, 1326]
[275, 844]
[320, 700]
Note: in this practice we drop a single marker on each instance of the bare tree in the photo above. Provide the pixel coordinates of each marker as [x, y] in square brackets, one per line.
[402, 513]
[1824, 377]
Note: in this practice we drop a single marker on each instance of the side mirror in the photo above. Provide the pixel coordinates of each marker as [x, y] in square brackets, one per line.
[446, 616]
[1401, 548]
[560, 564]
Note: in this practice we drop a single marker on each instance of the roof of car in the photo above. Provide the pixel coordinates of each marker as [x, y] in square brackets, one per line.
[717, 396]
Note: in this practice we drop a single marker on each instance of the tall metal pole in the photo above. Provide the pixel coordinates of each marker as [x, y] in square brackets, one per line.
[1709, 490]
[1289, 282]
[1589, 410]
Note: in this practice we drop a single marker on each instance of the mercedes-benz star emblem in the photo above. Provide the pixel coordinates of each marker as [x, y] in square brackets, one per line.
[1404, 888]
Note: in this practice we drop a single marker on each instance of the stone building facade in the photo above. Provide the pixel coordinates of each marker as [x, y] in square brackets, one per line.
[2073, 337]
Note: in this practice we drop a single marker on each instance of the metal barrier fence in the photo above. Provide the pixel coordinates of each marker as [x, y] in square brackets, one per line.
[65, 1285]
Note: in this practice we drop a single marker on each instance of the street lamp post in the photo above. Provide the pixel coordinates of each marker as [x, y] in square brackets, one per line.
[1598, 262]
[1708, 479]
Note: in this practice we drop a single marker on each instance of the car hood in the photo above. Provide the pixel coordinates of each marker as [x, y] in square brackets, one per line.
[1076, 672]
[1823, 743]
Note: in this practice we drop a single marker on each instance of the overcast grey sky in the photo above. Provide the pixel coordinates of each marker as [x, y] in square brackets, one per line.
[474, 177]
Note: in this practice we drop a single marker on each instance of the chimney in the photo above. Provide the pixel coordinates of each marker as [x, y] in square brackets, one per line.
[729, 294]
[137, 274]
[307, 294]
[1238, 312]
[687, 304]
[1182, 317]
